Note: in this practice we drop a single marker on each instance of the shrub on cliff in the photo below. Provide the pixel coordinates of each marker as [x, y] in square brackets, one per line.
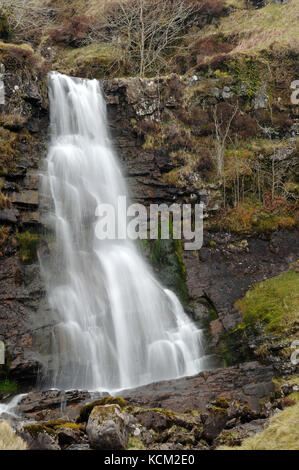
[4, 26]
[26, 19]
[151, 31]
[8, 439]
[76, 31]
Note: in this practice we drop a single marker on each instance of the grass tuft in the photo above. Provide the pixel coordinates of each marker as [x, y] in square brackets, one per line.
[274, 302]
[282, 433]
[8, 439]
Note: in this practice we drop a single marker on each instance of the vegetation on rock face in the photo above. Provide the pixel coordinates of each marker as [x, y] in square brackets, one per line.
[28, 243]
[8, 439]
[6, 386]
[166, 259]
[282, 433]
[274, 303]
[228, 128]
[4, 235]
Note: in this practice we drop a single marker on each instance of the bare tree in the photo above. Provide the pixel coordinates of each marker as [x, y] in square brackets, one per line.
[221, 136]
[26, 16]
[222, 133]
[149, 30]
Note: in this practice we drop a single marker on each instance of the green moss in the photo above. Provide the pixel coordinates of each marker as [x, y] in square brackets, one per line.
[166, 258]
[177, 434]
[232, 348]
[222, 402]
[95, 61]
[54, 422]
[35, 429]
[16, 55]
[274, 303]
[87, 409]
[73, 426]
[229, 438]
[7, 386]
[249, 72]
[28, 243]
[135, 443]
[294, 396]
[217, 410]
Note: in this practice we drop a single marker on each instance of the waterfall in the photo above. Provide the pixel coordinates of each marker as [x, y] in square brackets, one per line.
[116, 327]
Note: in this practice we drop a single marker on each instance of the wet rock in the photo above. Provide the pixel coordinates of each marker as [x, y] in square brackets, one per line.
[9, 216]
[201, 312]
[217, 329]
[196, 392]
[78, 447]
[88, 407]
[107, 428]
[214, 424]
[261, 99]
[68, 435]
[25, 198]
[52, 404]
[224, 275]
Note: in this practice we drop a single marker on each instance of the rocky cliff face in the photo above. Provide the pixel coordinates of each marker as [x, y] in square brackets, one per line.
[23, 132]
[154, 130]
[160, 127]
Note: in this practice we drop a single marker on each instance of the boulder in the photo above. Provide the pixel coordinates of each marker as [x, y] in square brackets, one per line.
[214, 423]
[107, 428]
[39, 437]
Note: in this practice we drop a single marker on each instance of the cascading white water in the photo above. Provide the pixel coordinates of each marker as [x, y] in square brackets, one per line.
[7, 409]
[116, 326]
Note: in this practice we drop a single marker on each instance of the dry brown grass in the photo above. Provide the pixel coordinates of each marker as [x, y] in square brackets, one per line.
[259, 29]
[8, 439]
[282, 433]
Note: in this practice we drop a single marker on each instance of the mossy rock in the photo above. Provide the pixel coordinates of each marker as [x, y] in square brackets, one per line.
[61, 423]
[87, 409]
[222, 402]
[166, 258]
[73, 426]
[217, 410]
[35, 429]
[146, 416]
[229, 438]
[177, 434]
[7, 386]
[135, 443]
[28, 243]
